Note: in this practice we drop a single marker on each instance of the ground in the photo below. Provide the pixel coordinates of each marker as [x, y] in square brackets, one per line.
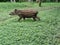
[27, 32]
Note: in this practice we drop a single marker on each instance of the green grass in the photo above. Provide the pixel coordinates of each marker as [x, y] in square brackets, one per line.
[27, 32]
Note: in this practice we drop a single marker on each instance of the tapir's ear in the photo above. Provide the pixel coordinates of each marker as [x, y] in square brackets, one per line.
[15, 10]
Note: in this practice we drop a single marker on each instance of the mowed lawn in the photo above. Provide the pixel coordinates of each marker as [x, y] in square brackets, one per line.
[27, 32]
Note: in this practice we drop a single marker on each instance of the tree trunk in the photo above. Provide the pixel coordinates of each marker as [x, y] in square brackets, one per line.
[30, 0]
[56, 0]
[12, 0]
[39, 3]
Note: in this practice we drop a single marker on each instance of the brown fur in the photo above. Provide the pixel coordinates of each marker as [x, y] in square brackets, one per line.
[25, 14]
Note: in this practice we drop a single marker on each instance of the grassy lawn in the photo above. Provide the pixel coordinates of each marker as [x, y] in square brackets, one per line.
[27, 32]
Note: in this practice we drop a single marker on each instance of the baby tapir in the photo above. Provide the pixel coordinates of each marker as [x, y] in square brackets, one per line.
[25, 14]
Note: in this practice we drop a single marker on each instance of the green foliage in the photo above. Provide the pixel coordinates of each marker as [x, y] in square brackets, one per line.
[28, 32]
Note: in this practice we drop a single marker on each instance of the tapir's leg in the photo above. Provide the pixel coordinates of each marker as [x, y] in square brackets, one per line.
[19, 18]
[38, 18]
[34, 18]
[24, 18]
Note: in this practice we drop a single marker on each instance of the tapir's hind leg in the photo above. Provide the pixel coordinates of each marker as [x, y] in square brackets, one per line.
[38, 18]
[34, 18]
[23, 18]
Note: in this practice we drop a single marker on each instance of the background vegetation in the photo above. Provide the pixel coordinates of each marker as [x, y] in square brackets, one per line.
[30, 0]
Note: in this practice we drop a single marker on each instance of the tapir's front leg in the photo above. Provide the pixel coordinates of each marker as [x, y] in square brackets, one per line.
[20, 17]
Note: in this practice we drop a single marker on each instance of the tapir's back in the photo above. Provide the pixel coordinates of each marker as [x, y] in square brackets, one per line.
[28, 12]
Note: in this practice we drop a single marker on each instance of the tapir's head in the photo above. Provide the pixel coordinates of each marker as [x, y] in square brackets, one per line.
[14, 12]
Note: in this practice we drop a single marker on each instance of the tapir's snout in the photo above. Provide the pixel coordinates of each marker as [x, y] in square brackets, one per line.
[12, 13]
